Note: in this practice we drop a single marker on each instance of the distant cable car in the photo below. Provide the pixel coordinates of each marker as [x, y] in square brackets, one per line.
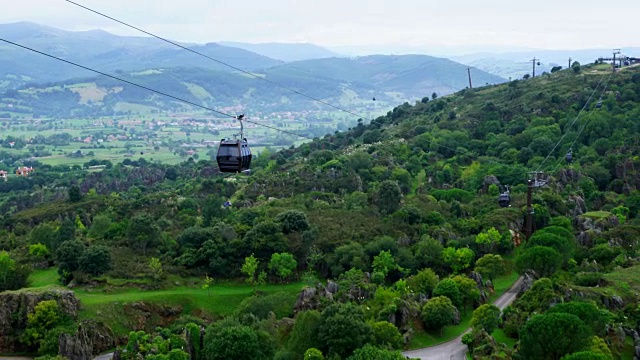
[374, 99]
[599, 104]
[504, 199]
[234, 155]
[569, 156]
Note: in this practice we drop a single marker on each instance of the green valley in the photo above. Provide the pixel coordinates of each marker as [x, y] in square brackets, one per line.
[363, 243]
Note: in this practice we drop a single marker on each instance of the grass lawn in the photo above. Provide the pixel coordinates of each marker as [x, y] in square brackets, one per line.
[501, 337]
[597, 214]
[108, 304]
[42, 278]
[423, 339]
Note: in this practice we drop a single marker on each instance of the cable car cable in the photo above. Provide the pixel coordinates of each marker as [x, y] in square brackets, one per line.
[371, 121]
[152, 90]
[574, 121]
[585, 124]
[218, 61]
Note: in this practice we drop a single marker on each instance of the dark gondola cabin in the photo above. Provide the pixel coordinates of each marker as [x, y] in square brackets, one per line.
[598, 104]
[569, 157]
[504, 200]
[234, 156]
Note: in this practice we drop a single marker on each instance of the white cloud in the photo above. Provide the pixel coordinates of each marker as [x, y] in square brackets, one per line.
[463, 23]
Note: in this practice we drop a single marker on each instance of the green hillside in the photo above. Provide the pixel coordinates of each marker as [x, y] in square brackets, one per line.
[102, 50]
[346, 82]
[393, 226]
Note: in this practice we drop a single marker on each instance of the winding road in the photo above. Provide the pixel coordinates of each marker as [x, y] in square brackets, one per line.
[455, 349]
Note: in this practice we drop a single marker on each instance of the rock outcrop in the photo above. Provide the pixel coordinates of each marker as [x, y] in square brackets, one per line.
[15, 306]
[91, 338]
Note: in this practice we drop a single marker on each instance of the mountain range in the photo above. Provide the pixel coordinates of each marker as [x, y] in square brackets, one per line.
[151, 62]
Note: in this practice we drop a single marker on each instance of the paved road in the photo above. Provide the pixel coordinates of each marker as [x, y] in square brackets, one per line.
[455, 349]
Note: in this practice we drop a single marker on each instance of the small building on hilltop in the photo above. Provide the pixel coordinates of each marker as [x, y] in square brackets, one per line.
[24, 171]
[4, 175]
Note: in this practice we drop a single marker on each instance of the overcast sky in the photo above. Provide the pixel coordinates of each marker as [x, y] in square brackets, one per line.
[471, 24]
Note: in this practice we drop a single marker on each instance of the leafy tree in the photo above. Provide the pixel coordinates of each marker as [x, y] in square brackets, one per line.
[576, 67]
[564, 246]
[282, 265]
[450, 289]
[304, 334]
[208, 281]
[586, 355]
[384, 263]
[212, 209]
[195, 236]
[424, 281]
[428, 254]
[99, 226]
[96, 260]
[458, 259]
[293, 221]
[45, 316]
[486, 317]
[543, 260]
[143, 233]
[371, 136]
[386, 336]
[237, 342]
[598, 345]
[388, 197]
[490, 266]
[74, 194]
[468, 290]
[313, 354]
[489, 239]
[39, 251]
[438, 312]
[250, 268]
[266, 238]
[347, 256]
[596, 319]
[369, 352]
[66, 231]
[44, 234]
[68, 255]
[7, 267]
[552, 335]
[155, 268]
[343, 329]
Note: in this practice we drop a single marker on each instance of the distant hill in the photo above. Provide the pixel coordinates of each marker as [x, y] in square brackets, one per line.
[104, 51]
[412, 75]
[350, 83]
[101, 96]
[285, 51]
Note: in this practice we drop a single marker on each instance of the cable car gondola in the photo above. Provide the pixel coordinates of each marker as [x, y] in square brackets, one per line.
[569, 156]
[599, 104]
[504, 199]
[234, 155]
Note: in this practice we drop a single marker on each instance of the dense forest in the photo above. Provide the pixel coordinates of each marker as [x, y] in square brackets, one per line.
[393, 229]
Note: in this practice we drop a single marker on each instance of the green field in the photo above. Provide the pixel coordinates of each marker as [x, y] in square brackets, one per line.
[107, 303]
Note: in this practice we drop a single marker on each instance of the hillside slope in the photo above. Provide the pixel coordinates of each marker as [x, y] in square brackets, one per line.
[409, 74]
[389, 213]
[503, 130]
[350, 83]
[285, 51]
[105, 51]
